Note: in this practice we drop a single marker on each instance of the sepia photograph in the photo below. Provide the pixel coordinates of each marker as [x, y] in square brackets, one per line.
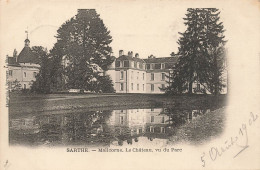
[160, 84]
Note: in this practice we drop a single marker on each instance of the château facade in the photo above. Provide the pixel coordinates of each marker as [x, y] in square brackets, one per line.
[22, 69]
[131, 74]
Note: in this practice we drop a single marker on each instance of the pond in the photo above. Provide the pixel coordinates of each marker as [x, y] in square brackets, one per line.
[140, 126]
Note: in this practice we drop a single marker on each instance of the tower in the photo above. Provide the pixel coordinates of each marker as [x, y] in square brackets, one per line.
[27, 41]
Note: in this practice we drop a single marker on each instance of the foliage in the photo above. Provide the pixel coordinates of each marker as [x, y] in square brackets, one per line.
[201, 52]
[14, 85]
[83, 46]
[43, 81]
[104, 84]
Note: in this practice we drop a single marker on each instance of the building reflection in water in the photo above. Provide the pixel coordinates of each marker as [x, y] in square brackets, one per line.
[101, 128]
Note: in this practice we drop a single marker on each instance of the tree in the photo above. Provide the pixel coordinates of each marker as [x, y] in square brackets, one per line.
[43, 81]
[201, 49]
[215, 50]
[14, 85]
[104, 84]
[83, 42]
[56, 74]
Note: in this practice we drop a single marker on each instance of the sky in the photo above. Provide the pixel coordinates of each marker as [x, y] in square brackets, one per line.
[144, 28]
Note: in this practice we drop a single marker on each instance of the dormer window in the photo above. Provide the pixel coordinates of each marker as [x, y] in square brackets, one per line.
[163, 66]
[148, 66]
[117, 63]
[158, 66]
[126, 63]
[152, 66]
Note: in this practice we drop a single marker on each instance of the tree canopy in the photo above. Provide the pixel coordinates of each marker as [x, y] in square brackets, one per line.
[43, 78]
[201, 52]
[83, 44]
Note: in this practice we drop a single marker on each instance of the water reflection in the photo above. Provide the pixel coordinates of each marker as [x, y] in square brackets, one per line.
[102, 128]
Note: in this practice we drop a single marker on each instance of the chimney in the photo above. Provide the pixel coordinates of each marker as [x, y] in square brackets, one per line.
[136, 55]
[130, 53]
[121, 52]
[151, 56]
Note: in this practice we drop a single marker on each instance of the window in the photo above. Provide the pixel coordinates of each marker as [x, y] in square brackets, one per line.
[163, 66]
[121, 120]
[152, 87]
[158, 66]
[143, 87]
[143, 76]
[10, 72]
[135, 64]
[152, 76]
[126, 63]
[141, 65]
[121, 86]
[163, 76]
[198, 86]
[24, 74]
[163, 87]
[24, 86]
[152, 67]
[132, 86]
[148, 66]
[34, 74]
[137, 86]
[162, 130]
[121, 75]
[163, 120]
[152, 119]
[151, 129]
[117, 63]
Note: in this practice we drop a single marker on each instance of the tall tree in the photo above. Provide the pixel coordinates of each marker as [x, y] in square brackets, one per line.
[83, 42]
[201, 49]
[215, 50]
[43, 81]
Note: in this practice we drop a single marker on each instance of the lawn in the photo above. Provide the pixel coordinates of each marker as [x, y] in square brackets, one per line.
[24, 104]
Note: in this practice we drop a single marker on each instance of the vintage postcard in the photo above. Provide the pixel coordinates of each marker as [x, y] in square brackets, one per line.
[161, 84]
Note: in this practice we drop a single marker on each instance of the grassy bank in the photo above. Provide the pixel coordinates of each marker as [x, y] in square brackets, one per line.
[201, 130]
[61, 103]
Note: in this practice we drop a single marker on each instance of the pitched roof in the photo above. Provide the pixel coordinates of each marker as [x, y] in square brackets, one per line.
[11, 60]
[161, 60]
[126, 57]
[27, 56]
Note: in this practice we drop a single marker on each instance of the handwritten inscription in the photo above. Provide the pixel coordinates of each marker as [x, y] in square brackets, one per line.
[240, 141]
[6, 165]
